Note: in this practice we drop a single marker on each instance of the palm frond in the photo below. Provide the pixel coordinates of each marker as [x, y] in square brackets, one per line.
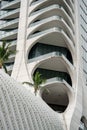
[5, 53]
[38, 80]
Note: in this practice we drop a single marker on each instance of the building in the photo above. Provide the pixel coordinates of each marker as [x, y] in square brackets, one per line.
[52, 37]
[9, 19]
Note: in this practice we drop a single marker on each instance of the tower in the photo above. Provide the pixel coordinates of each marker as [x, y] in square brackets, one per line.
[9, 19]
[52, 40]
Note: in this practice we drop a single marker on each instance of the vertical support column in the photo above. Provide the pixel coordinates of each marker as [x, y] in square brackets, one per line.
[20, 62]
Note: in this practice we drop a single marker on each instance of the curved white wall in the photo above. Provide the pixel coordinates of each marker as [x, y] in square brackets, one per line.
[20, 110]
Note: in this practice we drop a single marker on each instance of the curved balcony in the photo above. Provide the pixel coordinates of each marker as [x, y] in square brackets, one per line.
[51, 11]
[10, 14]
[55, 93]
[54, 61]
[53, 36]
[70, 3]
[54, 21]
[42, 51]
[53, 33]
[48, 72]
[11, 35]
[9, 25]
[43, 4]
[11, 5]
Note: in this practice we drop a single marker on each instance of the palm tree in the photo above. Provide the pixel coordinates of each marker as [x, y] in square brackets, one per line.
[37, 81]
[5, 53]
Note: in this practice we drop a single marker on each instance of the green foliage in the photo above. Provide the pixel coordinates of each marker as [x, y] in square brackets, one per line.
[37, 81]
[5, 53]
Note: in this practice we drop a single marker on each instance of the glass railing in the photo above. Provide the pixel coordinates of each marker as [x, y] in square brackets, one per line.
[54, 79]
[84, 128]
[50, 75]
[57, 79]
[45, 56]
[41, 51]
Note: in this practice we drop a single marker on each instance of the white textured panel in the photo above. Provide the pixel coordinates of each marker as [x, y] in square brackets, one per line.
[20, 110]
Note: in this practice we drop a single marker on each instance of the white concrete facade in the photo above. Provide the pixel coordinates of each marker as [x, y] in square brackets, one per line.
[55, 23]
[52, 39]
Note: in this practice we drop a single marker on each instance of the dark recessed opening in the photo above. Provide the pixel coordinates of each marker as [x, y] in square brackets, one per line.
[56, 98]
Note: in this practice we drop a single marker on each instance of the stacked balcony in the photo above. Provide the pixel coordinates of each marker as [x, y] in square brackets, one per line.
[10, 5]
[41, 51]
[9, 25]
[9, 20]
[51, 31]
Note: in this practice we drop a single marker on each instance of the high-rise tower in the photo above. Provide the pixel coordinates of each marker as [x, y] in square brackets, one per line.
[52, 38]
[9, 19]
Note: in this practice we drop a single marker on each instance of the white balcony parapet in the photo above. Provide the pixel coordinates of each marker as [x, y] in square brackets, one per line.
[58, 19]
[67, 5]
[37, 2]
[55, 54]
[45, 56]
[47, 8]
[3, 25]
[5, 6]
[45, 20]
[12, 12]
[64, 14]
[45, 31]
[57, 79]
[58, 29]
[70, 11]
[6, 34]
[69, 2]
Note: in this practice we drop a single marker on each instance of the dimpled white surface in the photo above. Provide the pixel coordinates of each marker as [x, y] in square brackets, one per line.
[20, 110]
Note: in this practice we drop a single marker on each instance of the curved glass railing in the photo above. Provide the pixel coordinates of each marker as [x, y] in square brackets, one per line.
[41, 51]
[50, 75]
